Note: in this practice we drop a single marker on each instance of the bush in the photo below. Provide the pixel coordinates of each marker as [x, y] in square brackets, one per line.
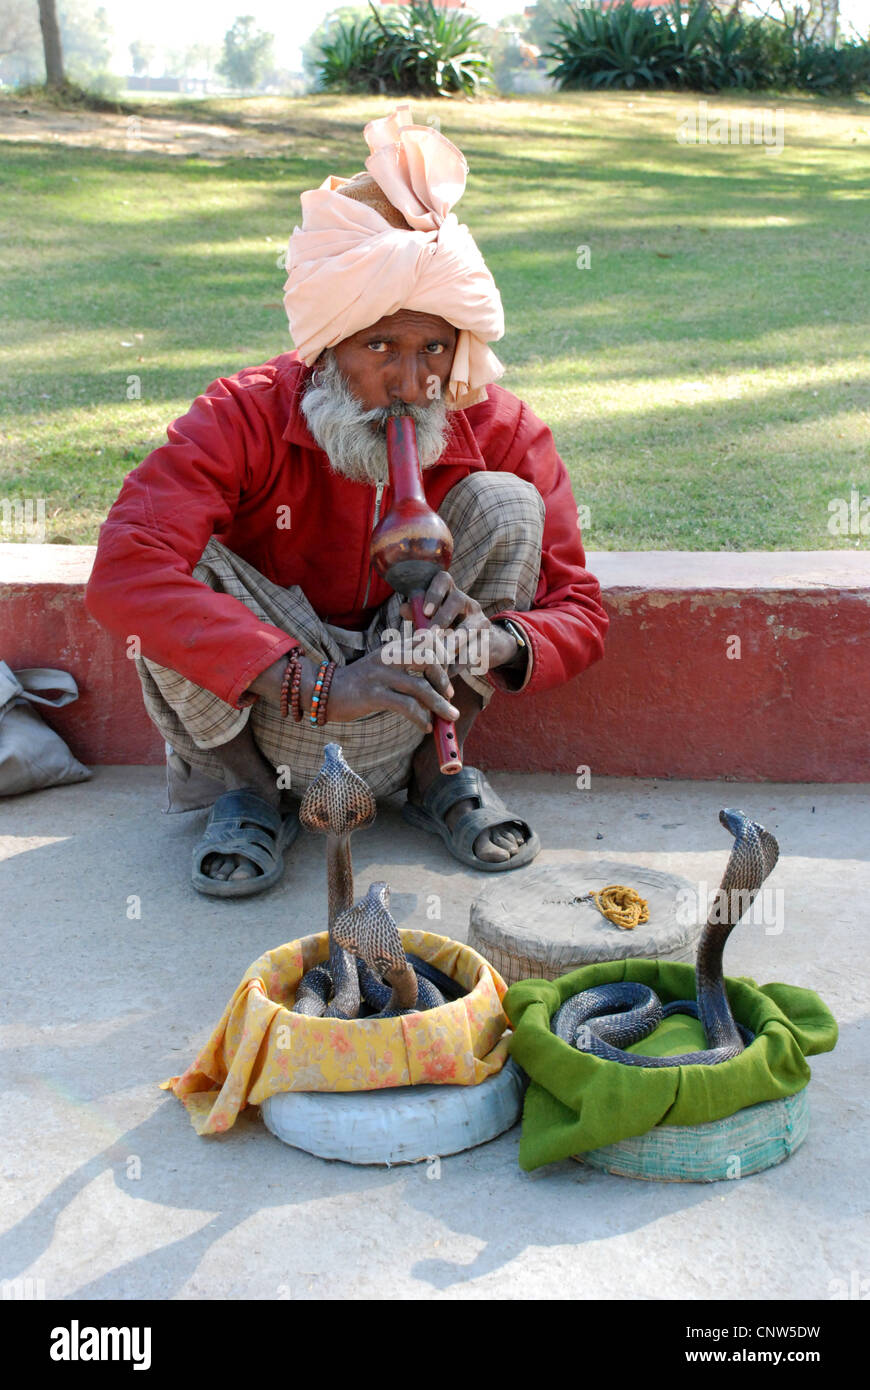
[700, 49]
[828, 70]
[347, 62]
[419, 51]
[620, 47]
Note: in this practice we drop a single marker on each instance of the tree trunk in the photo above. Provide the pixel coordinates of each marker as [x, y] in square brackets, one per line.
[51, 43]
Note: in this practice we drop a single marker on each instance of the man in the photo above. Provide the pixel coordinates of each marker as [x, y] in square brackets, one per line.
[247, 535]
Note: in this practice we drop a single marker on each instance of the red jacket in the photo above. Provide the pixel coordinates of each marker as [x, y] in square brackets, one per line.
[241, 454]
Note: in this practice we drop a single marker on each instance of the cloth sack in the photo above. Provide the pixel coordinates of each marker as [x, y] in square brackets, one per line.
[577, 1101]
[31, 754]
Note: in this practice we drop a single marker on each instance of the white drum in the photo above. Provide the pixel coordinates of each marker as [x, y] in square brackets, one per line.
[402, 1124]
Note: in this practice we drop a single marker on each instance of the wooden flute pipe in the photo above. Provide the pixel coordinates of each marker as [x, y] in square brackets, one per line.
[409, 546]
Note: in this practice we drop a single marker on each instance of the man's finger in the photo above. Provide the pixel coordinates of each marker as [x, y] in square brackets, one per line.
[438, 590]
[437, 676]
[425, 694]
[427, 654]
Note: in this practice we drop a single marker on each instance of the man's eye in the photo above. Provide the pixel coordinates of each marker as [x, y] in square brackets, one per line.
[439, 347]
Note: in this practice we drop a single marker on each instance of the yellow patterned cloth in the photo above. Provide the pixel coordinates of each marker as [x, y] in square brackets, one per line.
[260, 1048]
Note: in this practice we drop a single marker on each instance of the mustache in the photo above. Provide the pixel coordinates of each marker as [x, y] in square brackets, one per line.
[354, 439]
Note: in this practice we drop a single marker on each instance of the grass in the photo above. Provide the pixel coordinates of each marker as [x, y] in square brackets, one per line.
[705, 379]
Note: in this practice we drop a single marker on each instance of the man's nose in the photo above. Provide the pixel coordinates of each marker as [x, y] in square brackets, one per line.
[407, 384]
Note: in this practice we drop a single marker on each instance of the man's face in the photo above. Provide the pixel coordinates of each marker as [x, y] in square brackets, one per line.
[396, 359]
[402, 360]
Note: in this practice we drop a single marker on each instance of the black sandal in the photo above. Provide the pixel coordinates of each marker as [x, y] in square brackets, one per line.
[241, 822]
[445, 791]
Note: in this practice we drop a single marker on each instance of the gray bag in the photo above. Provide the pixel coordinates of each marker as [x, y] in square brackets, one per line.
[31, 754]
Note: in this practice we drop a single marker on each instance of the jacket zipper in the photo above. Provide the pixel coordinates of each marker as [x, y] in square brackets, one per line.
[379, 489]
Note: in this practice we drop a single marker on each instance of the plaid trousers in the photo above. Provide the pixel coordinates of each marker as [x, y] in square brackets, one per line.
[497, 522]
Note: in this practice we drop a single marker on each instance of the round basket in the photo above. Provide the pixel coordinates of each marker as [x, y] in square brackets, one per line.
[407, 1124]
[459, 1042]
[261, 1048]
[747, 1142]
[536, 928]
[683, 1122]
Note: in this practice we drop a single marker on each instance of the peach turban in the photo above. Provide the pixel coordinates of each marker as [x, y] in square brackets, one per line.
[348, 265]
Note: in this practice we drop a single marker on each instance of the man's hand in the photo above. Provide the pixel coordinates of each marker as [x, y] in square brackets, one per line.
[372, 684]
[485, 647]
[268, 683]
[368, 686]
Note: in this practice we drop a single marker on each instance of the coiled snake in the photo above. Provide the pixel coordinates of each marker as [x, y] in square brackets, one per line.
[609, 1018]
[367, 961]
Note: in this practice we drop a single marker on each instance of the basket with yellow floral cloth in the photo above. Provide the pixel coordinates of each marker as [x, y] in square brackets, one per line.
[362, 1007]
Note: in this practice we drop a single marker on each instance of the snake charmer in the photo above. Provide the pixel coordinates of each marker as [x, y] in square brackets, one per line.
[238, 553]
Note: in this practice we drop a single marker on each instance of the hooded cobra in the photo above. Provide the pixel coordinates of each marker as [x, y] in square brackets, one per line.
[366, 957]
[336, 803]
[388, 980]
[609, 1018]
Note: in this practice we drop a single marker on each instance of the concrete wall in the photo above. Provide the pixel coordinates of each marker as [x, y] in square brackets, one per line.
[748, 666]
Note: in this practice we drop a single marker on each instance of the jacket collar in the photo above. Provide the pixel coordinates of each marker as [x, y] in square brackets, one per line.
[461, 449]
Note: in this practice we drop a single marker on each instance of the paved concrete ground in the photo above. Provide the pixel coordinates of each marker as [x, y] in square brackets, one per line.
[97, 1008]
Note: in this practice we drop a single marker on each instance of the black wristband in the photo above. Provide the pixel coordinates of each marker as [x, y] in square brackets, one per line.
[520, 660]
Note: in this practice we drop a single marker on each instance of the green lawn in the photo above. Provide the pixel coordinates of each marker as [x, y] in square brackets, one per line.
[706, 378]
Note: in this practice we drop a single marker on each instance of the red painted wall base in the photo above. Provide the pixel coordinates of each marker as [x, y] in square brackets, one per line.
[746, 666]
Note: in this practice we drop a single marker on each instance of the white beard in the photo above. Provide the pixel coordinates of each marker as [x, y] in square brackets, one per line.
[344, 430]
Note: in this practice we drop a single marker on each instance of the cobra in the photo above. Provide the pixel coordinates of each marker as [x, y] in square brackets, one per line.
[388, 980]
[607, 1019]
[366, 957]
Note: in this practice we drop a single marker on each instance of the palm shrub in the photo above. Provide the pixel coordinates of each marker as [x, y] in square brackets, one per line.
[733, 56]
[348, 57]
[697, 48]
[747, 54]
[827, 70]
[687, 58]
[421, 50]
[619, 47]
[431, 51]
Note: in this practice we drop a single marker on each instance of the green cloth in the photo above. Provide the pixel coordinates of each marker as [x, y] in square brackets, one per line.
[576, 1101]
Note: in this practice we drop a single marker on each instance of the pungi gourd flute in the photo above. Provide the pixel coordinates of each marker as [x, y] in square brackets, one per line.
[408, 548]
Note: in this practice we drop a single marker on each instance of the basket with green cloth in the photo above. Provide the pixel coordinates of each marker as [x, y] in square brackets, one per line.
[577, 1103]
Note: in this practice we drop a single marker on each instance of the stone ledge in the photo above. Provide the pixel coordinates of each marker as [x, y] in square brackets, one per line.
[667, 700]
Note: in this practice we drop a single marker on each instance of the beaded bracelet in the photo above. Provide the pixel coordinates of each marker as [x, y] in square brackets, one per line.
[324, 694]
[289, 674]
[318, 686]
[295, 692]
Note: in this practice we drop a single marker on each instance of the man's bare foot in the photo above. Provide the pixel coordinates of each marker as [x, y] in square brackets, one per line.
[494, 845]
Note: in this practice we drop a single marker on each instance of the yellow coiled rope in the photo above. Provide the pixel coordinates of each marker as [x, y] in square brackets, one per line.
[620, 905]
